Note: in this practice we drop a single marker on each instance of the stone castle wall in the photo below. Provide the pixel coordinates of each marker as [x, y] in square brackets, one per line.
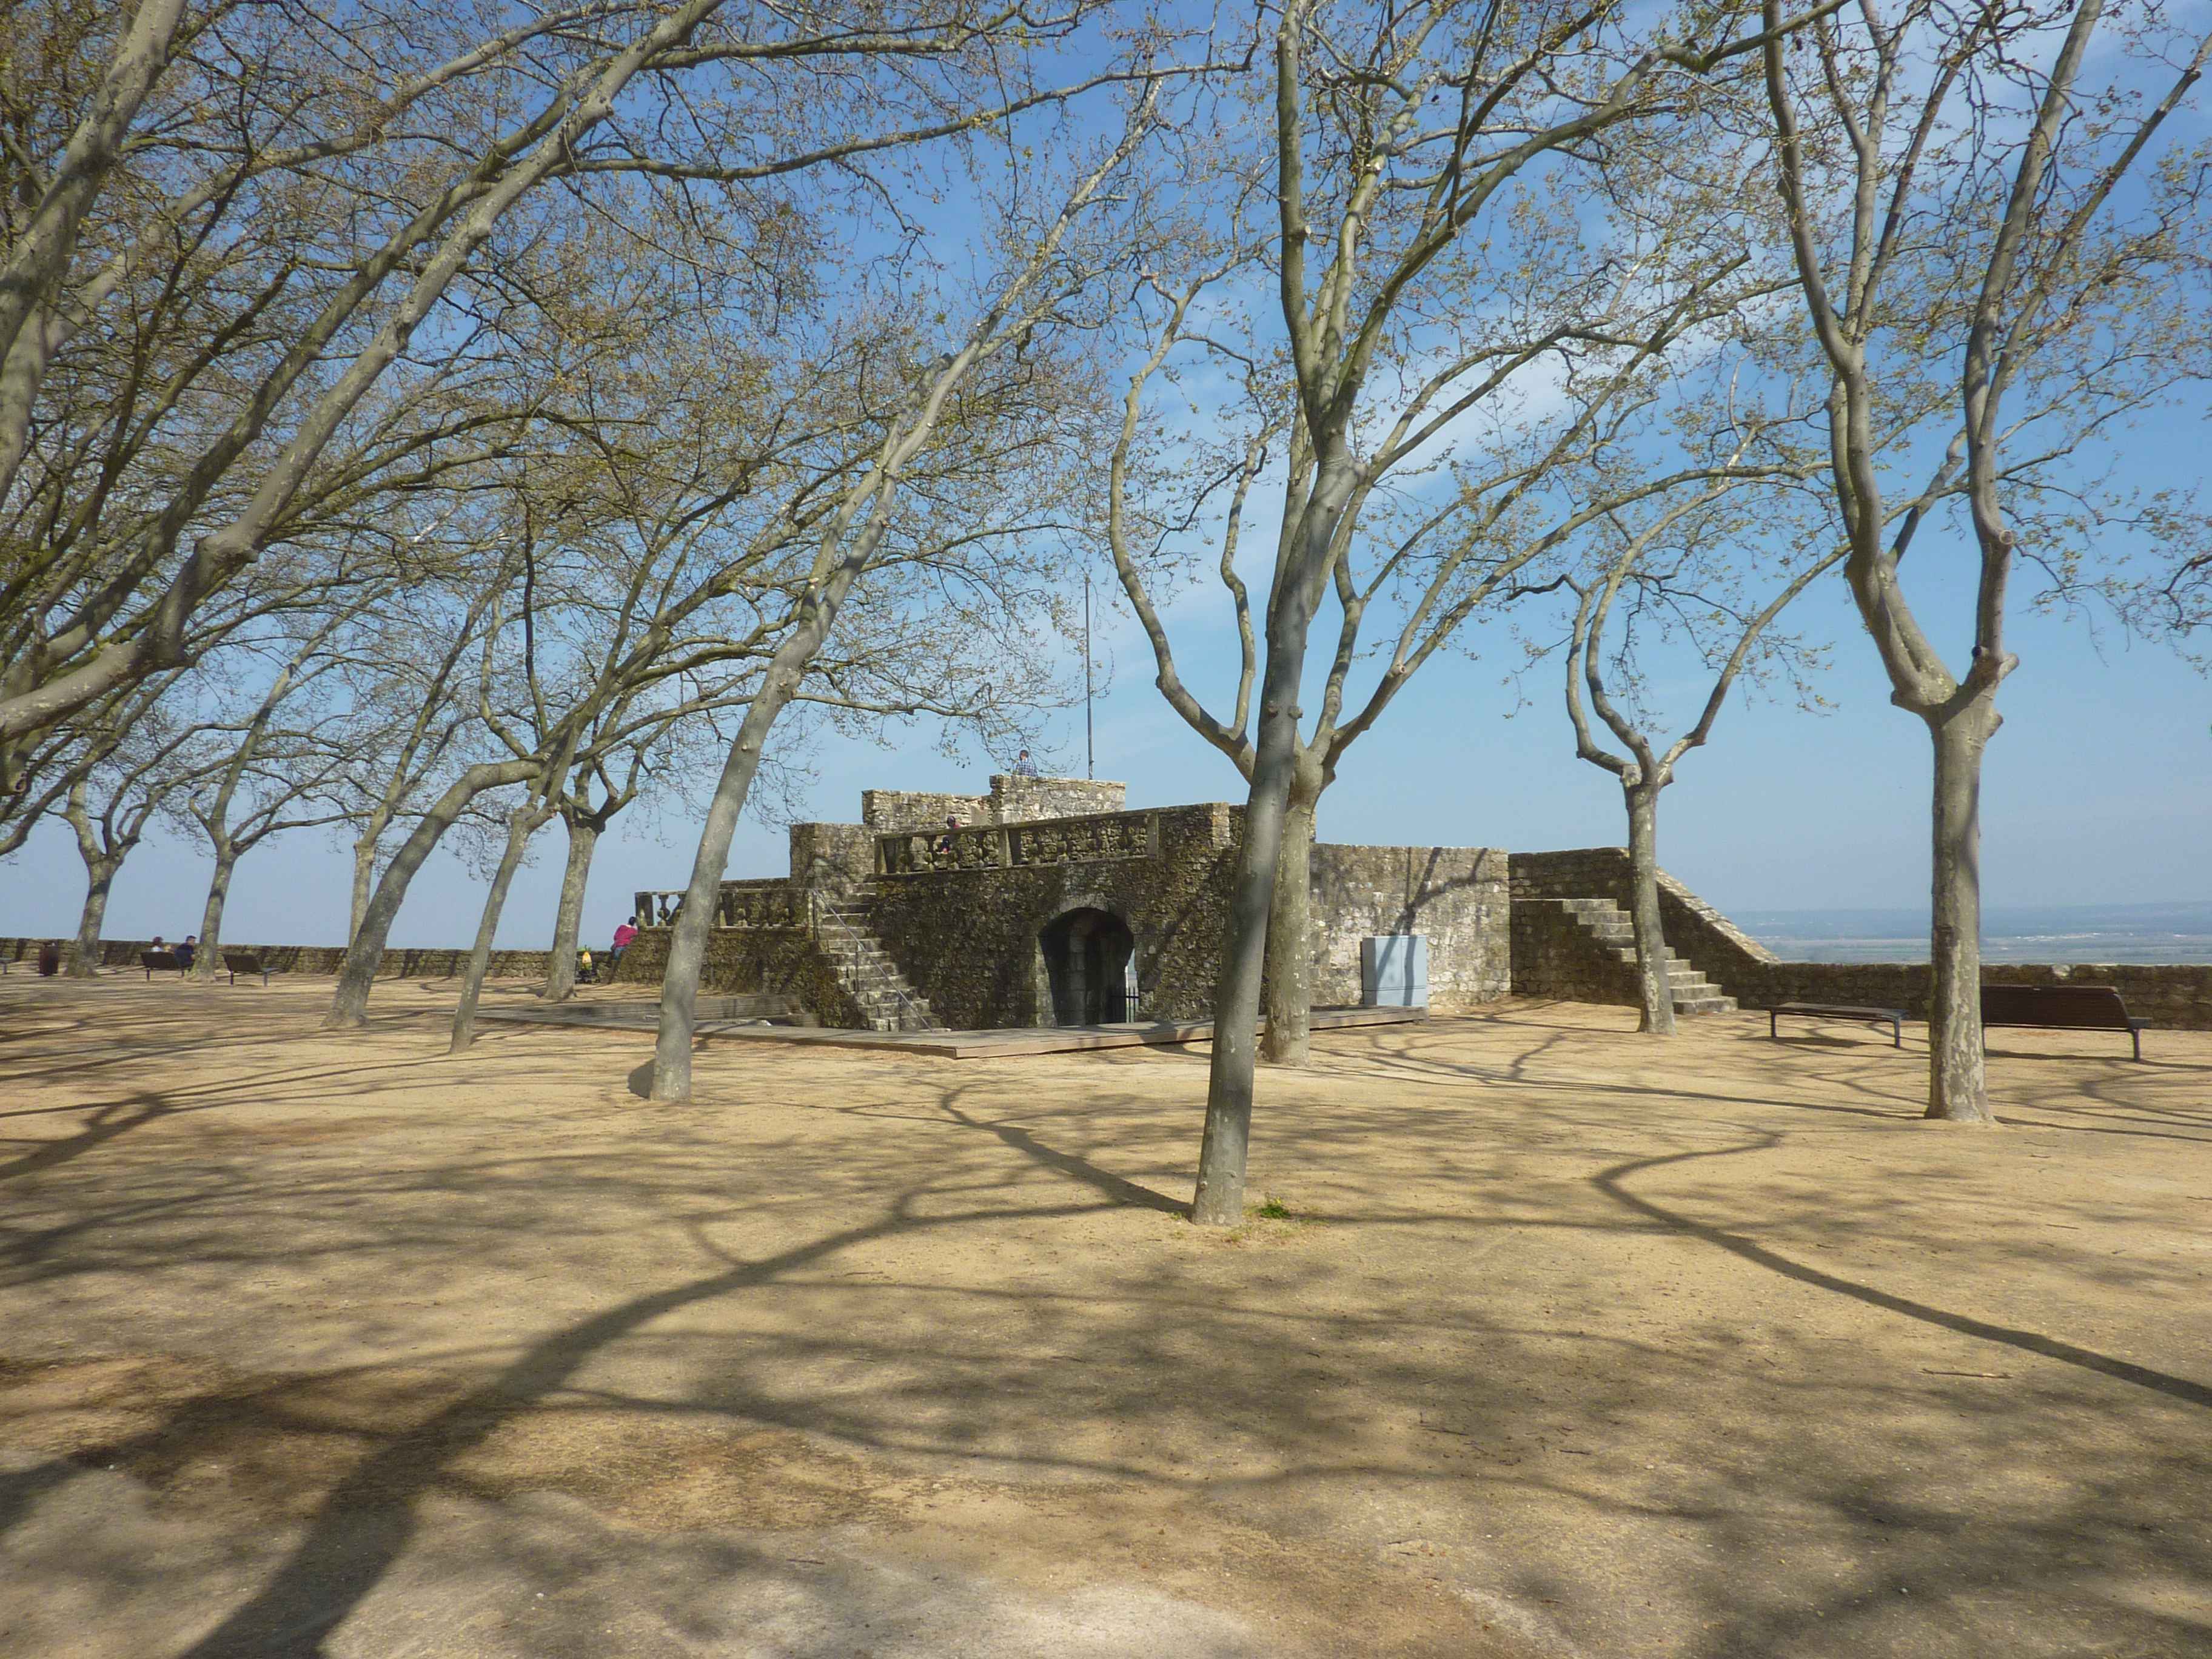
[1723, 953]
[835, 858]
[309, 958]
[1023, 801]
[750, 961]
[914, 809]
[1012, 800]
[1552, 957]
[1457, 895]
[968, 938]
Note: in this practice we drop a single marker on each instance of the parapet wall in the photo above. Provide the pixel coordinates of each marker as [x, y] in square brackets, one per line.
[1457, 895]
[1012, 800]
[311, 958]
[1023, 801]
[1723, 953]
[1551, 958]
[2172, 996]
[966, 936]
[885, 810]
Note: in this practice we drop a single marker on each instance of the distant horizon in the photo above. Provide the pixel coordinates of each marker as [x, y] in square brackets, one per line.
[2139, 932]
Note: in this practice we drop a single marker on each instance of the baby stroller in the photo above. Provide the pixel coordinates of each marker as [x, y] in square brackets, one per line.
[587, 971]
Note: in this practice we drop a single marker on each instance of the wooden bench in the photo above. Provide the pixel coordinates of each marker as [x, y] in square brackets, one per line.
[164, 960]
[2061, 1007]
[1893, 1018]
[246, 962]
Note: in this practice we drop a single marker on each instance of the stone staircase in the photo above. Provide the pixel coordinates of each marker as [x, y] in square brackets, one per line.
[1609, 928]
[865, 971]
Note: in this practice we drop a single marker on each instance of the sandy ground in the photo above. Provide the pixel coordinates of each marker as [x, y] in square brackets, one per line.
[1574, 1343]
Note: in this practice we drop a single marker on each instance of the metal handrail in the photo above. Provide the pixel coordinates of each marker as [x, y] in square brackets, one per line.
[826, 907]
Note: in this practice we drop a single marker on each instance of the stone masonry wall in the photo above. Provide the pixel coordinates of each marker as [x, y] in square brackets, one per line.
[2172, 996]
[1456, 895]
[750, 961]
[1552, 957]
[833, 857]
[1024, 800]
[1012, 800]
[968, 940]
[310, 958]
[886, 809]
[1723, 953]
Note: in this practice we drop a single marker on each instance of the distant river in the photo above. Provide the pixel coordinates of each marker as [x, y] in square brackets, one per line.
[2100, 933]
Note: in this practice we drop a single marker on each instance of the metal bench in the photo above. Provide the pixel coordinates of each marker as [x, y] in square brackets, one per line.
[246, 962]
[164, 960]
[1893, 1018]
[2061, 1007]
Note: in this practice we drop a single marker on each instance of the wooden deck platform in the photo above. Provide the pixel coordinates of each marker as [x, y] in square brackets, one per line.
[1002, 1044]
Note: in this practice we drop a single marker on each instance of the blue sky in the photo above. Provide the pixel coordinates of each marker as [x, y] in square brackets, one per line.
[2098, 790]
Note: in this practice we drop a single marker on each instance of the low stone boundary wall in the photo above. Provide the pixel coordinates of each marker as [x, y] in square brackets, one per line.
[779, 961]
[1723, 953]
[1456, 895]
[2172, 996]
[311, 958]
[1552, 959]
[1553, 956]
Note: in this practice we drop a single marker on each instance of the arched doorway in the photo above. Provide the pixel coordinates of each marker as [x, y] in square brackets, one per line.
[1086, 958]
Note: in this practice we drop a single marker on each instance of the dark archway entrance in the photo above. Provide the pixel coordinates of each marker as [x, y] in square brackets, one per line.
[1087, 957]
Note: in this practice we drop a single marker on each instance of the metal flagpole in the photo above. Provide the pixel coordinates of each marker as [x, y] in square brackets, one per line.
[1089, 733]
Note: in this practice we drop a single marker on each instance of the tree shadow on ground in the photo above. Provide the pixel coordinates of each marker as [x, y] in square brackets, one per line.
[1613, 1182]
[974, 1272]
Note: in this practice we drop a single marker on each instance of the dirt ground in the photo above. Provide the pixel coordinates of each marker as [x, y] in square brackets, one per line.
[1572, 1343]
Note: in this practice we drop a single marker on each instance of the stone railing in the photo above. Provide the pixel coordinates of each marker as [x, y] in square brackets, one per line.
[655, 909]
[771, 903]
[1096, 839]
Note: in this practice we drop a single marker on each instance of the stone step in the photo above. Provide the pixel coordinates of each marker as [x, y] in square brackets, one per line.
[1613, 930]
[1676, 966]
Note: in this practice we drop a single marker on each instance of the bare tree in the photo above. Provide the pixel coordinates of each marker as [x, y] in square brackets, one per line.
[1675, 585]
[523, 821]
[1513, 495]
[1053, 255]
[324, 226]
[110, 806]
[1399, 140]
[411, 713]
[1987, 238]
[276, 778]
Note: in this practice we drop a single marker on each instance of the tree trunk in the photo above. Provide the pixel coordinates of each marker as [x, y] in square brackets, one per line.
[84, 956]
[1219, 1199]
[1958, 1082]
[522, 824]
[569, 918]
[687, 936]
[226, 860]
[1654, 987]
[349, 1005]
[1289, 1039]
[364, 881]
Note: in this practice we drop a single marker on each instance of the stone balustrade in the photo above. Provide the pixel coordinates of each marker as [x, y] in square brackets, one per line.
[1095, 839]
[774, 903]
